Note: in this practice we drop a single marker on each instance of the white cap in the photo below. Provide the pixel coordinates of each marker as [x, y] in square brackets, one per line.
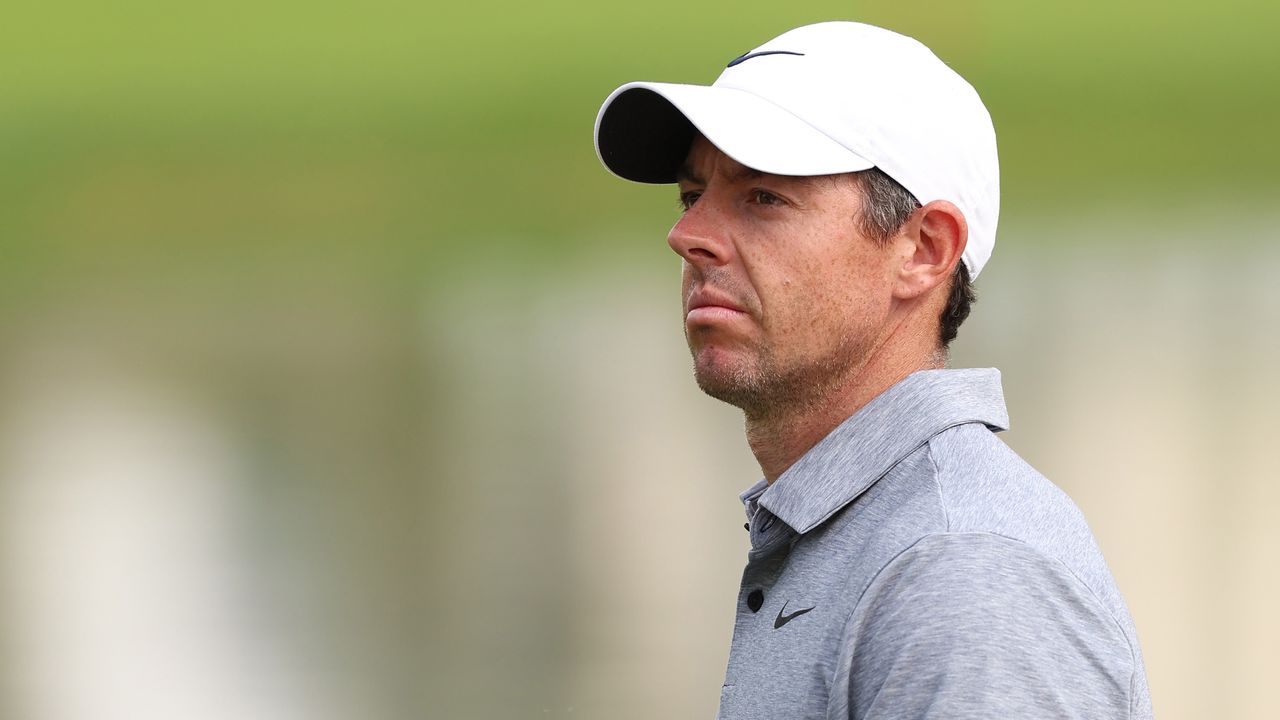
[823, 99]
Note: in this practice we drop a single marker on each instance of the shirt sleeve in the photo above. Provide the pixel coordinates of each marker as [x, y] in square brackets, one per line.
[976, 625]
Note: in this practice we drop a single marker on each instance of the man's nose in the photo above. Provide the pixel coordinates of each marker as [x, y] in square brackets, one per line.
[700, 236]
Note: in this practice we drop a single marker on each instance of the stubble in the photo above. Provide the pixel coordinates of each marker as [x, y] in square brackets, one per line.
[765, 385]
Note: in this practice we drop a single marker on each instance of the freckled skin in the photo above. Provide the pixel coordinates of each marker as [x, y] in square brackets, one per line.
[817, 293]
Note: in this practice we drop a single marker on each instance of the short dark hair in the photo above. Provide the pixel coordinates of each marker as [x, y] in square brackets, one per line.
[886, 208]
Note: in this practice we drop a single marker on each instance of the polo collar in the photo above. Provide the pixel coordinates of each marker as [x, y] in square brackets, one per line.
[884, 431]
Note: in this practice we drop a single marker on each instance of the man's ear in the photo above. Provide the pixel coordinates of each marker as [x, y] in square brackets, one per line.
[933, 241]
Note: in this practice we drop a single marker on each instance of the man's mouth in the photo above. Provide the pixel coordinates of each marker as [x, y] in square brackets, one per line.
[708, 305]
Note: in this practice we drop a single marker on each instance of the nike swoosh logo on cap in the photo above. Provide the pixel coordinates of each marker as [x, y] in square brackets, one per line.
[784, 619]
[747, 56]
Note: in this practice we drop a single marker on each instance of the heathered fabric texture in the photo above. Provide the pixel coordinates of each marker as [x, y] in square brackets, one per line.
[947, 578]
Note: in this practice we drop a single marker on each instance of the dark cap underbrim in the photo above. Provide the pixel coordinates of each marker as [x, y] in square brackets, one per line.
[644, 130]
[642, 137]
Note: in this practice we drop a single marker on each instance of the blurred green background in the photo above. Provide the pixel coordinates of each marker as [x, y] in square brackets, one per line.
[340, 380]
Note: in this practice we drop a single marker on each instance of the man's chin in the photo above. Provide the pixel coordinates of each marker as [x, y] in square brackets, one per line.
[730, 382]
[723, 391]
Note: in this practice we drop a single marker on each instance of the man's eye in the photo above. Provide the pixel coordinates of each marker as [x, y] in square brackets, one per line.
[764, 197]
[688, 198]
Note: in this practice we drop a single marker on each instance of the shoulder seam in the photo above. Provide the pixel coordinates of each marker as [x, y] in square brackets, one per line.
[937, 482]
[1115, 622]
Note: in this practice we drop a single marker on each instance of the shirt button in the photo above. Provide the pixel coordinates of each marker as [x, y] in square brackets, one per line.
[755, 600]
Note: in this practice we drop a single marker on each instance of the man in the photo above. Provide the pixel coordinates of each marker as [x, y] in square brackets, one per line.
[840, 190]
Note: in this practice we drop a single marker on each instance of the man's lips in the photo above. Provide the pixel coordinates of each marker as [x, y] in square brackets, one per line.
[708, 306]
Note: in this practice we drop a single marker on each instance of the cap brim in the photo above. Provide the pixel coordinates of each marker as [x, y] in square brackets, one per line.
[644, 130]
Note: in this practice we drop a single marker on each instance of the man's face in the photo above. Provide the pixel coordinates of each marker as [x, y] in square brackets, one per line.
[784, 297]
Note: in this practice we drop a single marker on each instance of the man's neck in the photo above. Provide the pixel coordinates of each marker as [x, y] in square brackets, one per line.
[781, 437]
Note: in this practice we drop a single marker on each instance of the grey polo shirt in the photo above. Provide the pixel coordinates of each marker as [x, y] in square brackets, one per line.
[910, 565]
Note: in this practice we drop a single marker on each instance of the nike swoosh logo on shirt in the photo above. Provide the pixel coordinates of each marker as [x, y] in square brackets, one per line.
[784, 619]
